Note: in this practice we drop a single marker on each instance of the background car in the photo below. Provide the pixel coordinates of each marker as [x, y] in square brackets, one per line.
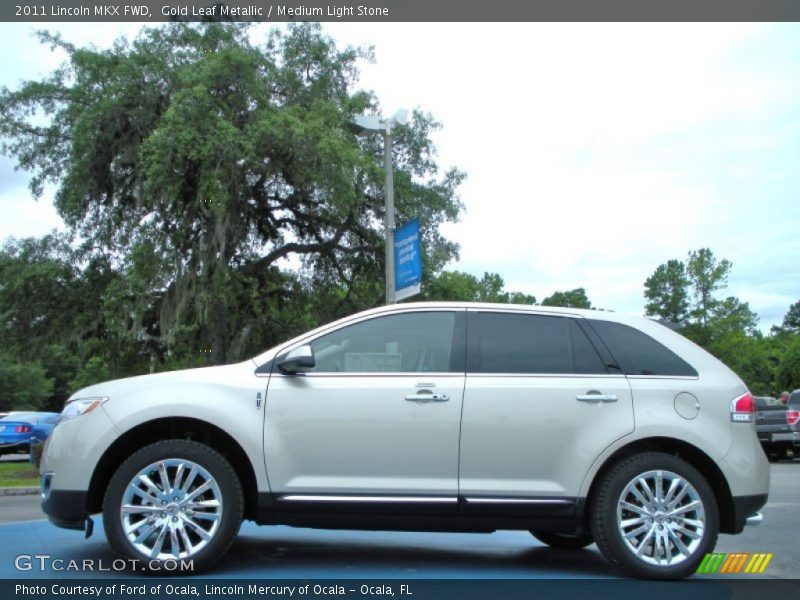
[18, 430]
[778, 427]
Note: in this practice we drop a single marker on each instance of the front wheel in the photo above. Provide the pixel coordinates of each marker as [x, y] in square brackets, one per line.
[653, 515]
[173, 501]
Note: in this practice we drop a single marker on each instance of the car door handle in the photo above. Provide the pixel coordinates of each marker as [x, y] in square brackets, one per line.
[427, 397]
[597, 398]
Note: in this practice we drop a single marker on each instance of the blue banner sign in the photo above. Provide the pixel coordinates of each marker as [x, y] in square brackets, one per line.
[407, 260]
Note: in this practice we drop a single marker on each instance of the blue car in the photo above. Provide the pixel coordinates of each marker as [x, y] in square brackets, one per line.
[18, 430]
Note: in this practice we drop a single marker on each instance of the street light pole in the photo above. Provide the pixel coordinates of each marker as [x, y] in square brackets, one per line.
[389, 224]
[362, 126]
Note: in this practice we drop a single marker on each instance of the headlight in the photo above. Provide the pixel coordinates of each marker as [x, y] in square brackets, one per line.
[79, 407]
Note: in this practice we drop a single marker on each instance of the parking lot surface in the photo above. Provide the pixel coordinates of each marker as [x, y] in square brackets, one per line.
[285, 552]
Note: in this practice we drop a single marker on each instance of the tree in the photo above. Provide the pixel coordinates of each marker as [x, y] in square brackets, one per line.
[706, 275]
[37, 290]
[197, 163]
[791, 321]
[570, 299]
[732, 315]
[667, 294]
[23, 386]
[788, 370]
[752, 358]
[456, 285]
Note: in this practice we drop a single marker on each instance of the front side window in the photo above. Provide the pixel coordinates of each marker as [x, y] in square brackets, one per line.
[419, 342]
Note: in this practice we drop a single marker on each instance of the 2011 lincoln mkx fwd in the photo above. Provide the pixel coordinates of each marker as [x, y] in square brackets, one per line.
[578, 426]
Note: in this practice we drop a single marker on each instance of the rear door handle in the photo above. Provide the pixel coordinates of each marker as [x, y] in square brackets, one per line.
[597, 398]
[427, 397]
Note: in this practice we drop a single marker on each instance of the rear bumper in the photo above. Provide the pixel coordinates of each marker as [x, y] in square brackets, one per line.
[745, 507]
[792, 437]
[66, 508]
[15, 447]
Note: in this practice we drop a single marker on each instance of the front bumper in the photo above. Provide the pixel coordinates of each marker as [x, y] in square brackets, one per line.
[65, 508]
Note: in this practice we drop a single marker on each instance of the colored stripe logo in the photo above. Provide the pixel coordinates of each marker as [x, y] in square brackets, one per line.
[734, 563]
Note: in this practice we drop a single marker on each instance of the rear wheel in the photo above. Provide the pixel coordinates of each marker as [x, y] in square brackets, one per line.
[654, 515]
[565, 541]
[175, 500]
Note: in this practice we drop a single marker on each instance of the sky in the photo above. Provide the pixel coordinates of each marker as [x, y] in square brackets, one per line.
[593, 152]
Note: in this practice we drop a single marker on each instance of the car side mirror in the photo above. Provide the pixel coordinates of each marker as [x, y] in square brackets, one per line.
[298, 360]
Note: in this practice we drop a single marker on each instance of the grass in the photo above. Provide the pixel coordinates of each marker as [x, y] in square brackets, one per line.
[18, 474]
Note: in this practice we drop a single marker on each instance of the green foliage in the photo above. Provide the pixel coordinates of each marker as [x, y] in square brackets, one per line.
[791, 322]
[787, 375]
[666, 291]
[706, 275]
[459, 286]
[23, 386]
[13, 474]
[95, 370]
[194, 163]
[38, 281]
[570, 299]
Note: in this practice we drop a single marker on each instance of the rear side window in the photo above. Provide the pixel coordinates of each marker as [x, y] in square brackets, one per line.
[794, 399]
[637, 353]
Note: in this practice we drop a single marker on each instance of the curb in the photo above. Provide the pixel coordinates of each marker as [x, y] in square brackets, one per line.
[18, 491]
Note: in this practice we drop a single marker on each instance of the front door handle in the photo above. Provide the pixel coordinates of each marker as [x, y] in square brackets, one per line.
[427, 396]
[597, 397]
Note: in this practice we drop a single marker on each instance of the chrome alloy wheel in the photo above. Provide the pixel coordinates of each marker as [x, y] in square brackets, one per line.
[171, 509]
[661, 518]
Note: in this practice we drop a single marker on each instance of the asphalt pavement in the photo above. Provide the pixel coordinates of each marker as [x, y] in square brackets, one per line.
[285, 552]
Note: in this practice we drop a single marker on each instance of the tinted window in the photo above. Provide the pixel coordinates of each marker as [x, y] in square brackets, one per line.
[511, 343]
[794, 399]
[585, 356]
[407, 343]
[637, 353]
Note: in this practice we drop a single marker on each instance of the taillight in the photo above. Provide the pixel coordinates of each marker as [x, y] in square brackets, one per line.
[743, 409]
[792, 416]
[23, 429]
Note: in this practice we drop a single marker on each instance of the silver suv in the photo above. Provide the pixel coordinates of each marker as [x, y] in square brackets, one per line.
[578, 426]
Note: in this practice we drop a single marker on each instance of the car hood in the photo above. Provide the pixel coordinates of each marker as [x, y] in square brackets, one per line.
[142, 382]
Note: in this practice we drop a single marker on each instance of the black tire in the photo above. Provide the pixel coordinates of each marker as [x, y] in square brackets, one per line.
[564, 541]
[606, 523]
[223, 487]
[774, 457]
